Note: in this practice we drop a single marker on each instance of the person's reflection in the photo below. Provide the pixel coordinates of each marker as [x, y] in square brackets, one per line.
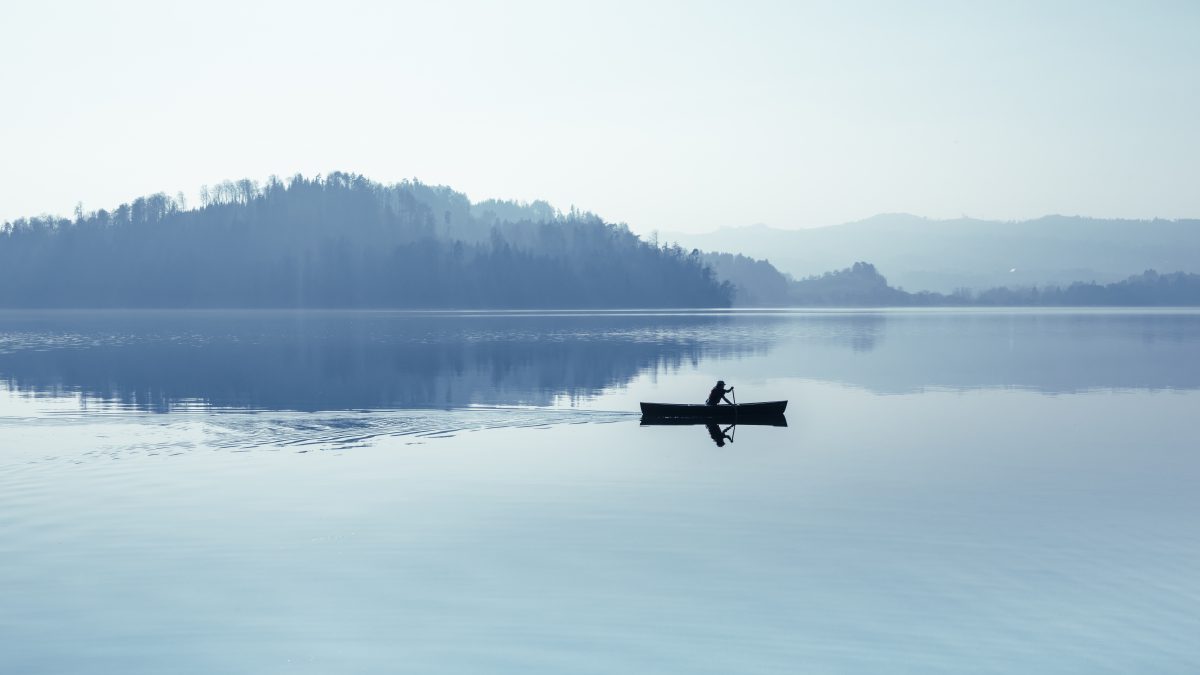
[719, 435]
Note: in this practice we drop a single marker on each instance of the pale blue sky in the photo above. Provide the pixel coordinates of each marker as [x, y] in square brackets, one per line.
[672, 116]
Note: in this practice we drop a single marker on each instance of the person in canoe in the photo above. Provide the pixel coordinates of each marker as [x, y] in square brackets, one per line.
[718, 394]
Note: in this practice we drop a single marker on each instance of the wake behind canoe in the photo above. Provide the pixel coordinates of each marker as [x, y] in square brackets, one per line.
[740, 411]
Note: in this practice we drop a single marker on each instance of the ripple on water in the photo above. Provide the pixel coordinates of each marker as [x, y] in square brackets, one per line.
[116, 433]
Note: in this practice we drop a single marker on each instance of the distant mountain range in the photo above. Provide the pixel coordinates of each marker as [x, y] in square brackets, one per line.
[944, 255]
[757, 283]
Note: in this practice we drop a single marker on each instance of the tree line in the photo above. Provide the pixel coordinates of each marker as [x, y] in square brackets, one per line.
[342, 241]
[1148, 289]
[758, 283]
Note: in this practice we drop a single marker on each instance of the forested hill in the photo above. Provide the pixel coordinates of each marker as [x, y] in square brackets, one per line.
[342, 241]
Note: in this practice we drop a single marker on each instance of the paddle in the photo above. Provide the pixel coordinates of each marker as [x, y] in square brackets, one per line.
[731, 391]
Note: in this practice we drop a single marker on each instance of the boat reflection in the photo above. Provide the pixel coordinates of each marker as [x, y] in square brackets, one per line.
[719, 435]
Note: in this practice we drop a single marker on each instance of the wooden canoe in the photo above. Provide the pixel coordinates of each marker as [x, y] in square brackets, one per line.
[716, 413]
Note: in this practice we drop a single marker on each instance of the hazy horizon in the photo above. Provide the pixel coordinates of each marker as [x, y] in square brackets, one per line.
[193, 199]
[669, 117]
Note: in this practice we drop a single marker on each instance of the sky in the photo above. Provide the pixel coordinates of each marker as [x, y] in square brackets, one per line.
[673, 116]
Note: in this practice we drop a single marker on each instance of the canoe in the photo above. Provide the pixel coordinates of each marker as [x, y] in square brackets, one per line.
[723, 413]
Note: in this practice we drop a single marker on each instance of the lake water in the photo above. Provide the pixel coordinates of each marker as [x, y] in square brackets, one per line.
[380, 492]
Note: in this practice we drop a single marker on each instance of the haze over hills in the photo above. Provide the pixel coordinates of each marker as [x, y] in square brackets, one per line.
[756, 283]
[342, 241]
[944, 255]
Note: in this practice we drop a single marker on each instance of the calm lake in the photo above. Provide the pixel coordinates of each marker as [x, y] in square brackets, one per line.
[387, 492]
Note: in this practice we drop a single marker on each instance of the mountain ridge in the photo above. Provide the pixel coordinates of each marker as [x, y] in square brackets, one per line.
[947, 255]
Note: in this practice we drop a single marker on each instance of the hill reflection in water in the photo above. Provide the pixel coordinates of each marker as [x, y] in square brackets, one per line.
[348, 360]
[308, 361]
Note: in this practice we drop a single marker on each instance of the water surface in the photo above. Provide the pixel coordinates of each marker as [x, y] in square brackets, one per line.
[980, 491]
